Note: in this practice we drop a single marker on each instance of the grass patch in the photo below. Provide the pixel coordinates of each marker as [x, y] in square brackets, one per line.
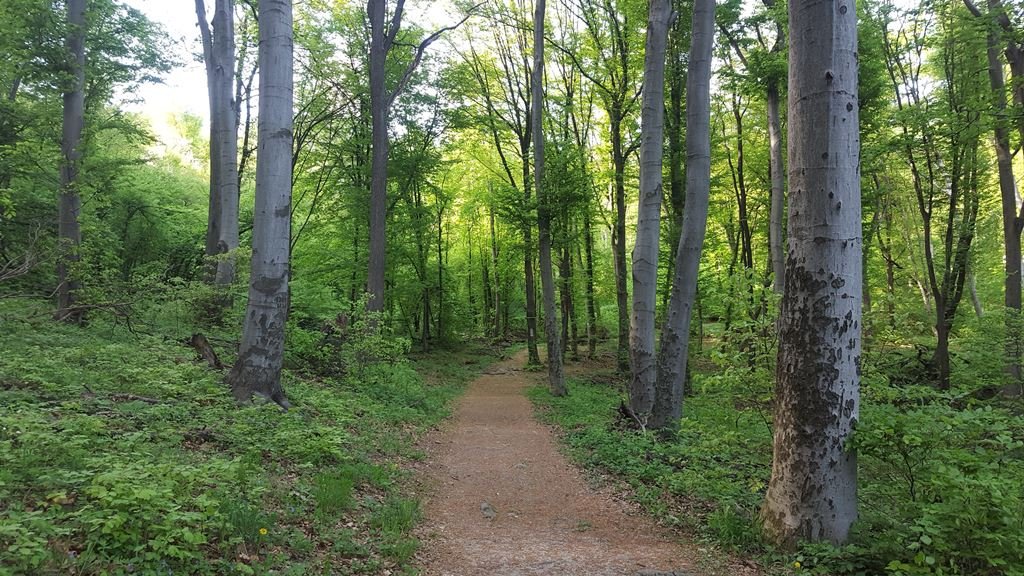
[121, 454]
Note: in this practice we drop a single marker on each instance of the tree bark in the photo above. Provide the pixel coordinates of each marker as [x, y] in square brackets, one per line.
[219, 58]
[556, 379]
[1013, 222]
[261, 354]
[379, 107]
[69, 230]
[778, 198]
[529, 278]
[678, 40]
[675, 334]
[619, 242]
[648, 229]
[812, 494]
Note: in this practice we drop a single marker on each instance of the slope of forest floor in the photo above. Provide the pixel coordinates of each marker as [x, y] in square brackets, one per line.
[121, 453]
[940, 489]
[504, 500]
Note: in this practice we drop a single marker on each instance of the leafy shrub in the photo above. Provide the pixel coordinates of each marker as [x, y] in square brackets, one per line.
[119, 454]
[940, 490]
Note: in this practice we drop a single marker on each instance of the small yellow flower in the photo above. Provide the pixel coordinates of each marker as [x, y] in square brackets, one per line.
[796, 564]
[263, 531]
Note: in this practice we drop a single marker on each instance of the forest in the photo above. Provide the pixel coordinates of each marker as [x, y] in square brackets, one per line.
[756, 265]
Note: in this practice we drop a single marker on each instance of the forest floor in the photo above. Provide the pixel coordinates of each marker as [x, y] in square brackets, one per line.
[504, 500]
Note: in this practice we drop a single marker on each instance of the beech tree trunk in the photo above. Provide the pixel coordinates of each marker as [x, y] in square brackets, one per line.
[69, 231]
[648, 229]
[261, 354]
[556, 379]
[219, 57]
[529, 278]
[675, 334]
[382, 38]
[812, 494]
[1013, 222]
[778, 198]
[776, 229]
[379, 44]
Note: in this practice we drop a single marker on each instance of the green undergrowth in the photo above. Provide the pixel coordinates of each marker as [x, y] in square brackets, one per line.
[121, 454]
[940, 473]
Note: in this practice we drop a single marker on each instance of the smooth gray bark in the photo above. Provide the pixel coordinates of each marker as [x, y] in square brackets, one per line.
[648, 228]
[219, 57]
[261, 354]
[675, 334]
[556, 379]
[776, 229]
[812, 494]
[776, 238]
[70, 204]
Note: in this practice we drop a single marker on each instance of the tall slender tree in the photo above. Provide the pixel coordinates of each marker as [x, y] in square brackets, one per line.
[648, 229]
[509, 106]
[69, 229]
[383, 34]
[1013, 217]
[610, 26]
[812, 494]
[556, 379]
[261, 354]
[675, 334]
[219, 57]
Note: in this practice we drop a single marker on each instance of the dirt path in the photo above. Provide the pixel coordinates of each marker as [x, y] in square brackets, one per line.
[496, 460]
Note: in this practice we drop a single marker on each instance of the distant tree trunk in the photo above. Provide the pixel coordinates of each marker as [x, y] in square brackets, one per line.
[972, 286]
[489, 306]
[261, 354]
[619, 242]
[1013, 219]
[570, 320]
[439, 333]
[812, 494]
[425, 326]
[219, 57]
[648, 229]
[556, 379]
[529, 279]
[776, 228]
[675, 334]
[740, 185]
[588, 241]
[497, 278]
[778, 198]
[69, 230]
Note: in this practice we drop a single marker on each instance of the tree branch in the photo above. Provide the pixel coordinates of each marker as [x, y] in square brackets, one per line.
[420, 49]
[396, 24]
